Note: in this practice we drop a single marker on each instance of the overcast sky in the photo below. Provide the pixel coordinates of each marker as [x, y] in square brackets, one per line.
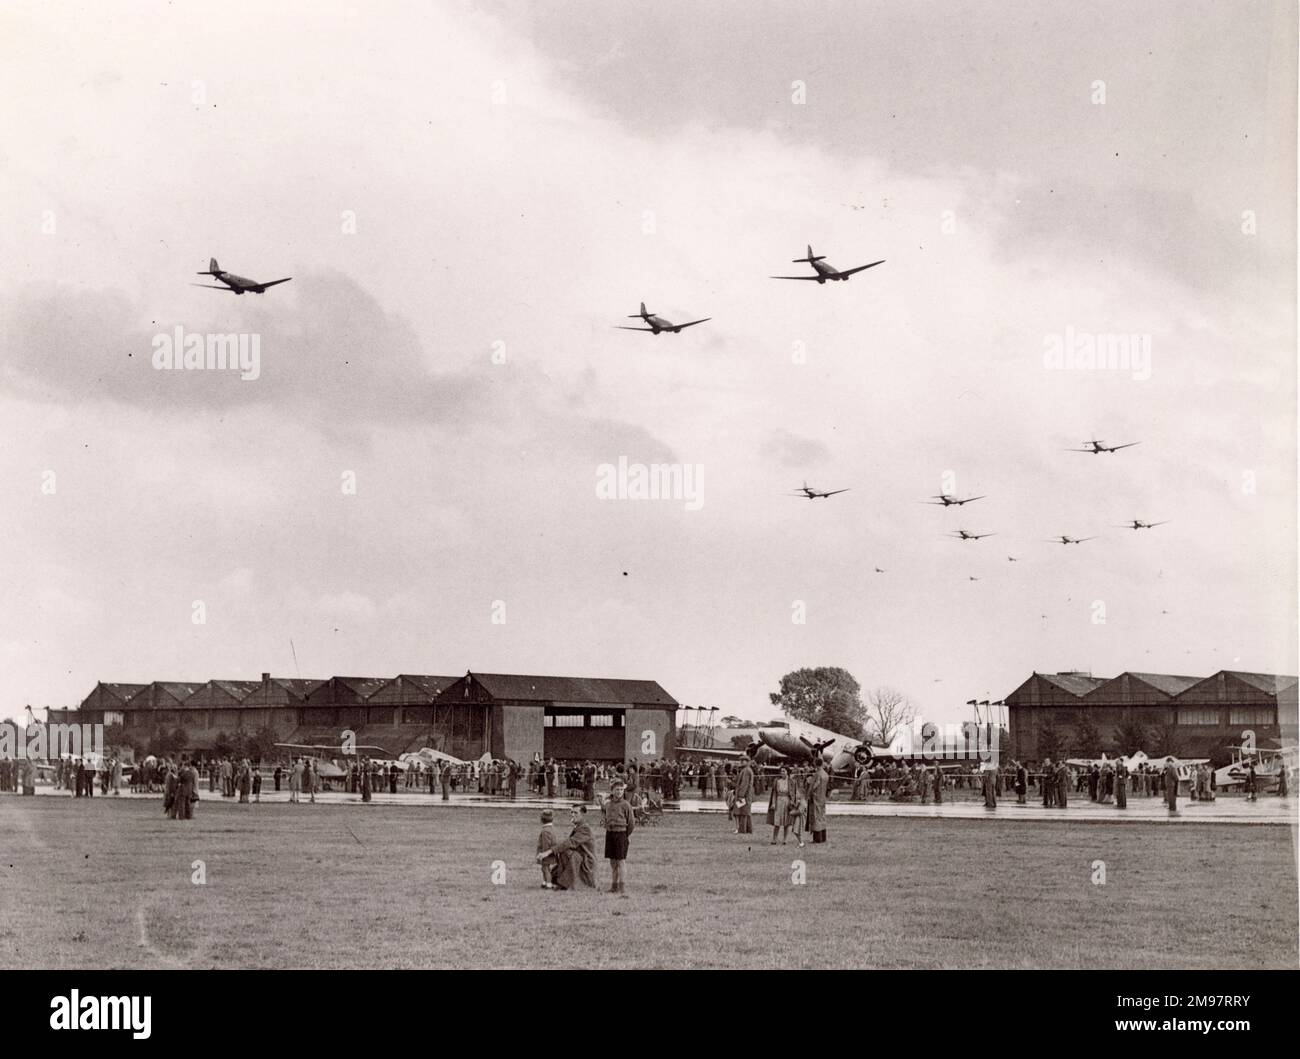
[519, 177]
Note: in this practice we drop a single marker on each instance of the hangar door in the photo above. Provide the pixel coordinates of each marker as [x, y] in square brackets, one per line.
[594, 734]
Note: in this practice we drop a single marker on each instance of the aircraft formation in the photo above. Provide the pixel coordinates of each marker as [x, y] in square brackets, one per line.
[822, 272]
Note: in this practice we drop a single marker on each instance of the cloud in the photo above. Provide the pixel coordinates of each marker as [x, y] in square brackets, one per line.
[790, 450]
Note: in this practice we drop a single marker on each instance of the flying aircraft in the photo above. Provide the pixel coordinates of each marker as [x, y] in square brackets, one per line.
[809, 493]
[948, 500]
[1012, 559]
[824, 271]
[1063, 539]
[235, 284]
[965, 535]
[1095, 447]
[972, 578]
[657, 323]
[1137, 524]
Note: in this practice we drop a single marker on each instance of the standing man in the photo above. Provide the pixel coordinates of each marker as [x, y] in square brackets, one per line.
[1171, 787]
[1121, 785]
[514, 779]
[744, 795]
[1022, 783]
[817, 788]
[1049, 784]
[988, 780]
[620, 821]
[187, 790]
[1062, 785]
[446, 781]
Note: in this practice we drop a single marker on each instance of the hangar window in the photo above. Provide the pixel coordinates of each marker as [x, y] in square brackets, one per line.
[569, 720]
[1252, 715]
[1199, 715]
[602, 720]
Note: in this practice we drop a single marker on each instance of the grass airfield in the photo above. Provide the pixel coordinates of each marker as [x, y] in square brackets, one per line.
[113, 883]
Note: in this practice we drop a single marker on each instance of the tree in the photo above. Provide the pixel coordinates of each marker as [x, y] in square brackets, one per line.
[1168, 740]
[1087, 735]
[888, 710]
[259, 745]
[1132, 737]
[1050, 742]
[827, 696]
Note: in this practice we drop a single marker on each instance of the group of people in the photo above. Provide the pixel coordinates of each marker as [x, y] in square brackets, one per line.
[796, 801]
[16, 776]
[571, 862]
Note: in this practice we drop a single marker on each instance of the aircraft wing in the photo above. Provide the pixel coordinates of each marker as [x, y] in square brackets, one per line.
[980, 536]
[834, 491]
[212, 286]
[851, 271]
[263, 286]
[793, 277]
[692, 323]
[715, 751]
[623, 327]
[1116, 448]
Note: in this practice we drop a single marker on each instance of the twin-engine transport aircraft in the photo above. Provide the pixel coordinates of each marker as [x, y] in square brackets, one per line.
[1097, 447]
[657, 323]
[809, 493]
[803, 743]
[948, 500]
[233, 283]
[823, 270]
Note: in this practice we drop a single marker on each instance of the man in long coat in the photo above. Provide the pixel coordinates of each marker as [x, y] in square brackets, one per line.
[988, 780]
[1062, 785]
[169, 794]
[1022, 783]
[575, 857]
[1171, 786]
[818, 784]
[187, 789]
[744, 796]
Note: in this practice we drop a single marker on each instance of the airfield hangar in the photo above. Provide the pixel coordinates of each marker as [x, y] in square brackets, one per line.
[1181, 715]
[506, 715]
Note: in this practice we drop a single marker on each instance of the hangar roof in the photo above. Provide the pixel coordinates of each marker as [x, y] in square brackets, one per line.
[573, 689]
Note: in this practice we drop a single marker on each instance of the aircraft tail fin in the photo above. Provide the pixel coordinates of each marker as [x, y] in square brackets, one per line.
[213, 268]
[810, 258]
[639, 316]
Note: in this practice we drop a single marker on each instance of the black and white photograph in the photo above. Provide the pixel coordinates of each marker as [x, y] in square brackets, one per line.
[645, 486]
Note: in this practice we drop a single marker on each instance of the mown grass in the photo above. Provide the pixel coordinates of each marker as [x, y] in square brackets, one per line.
[109, 884]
